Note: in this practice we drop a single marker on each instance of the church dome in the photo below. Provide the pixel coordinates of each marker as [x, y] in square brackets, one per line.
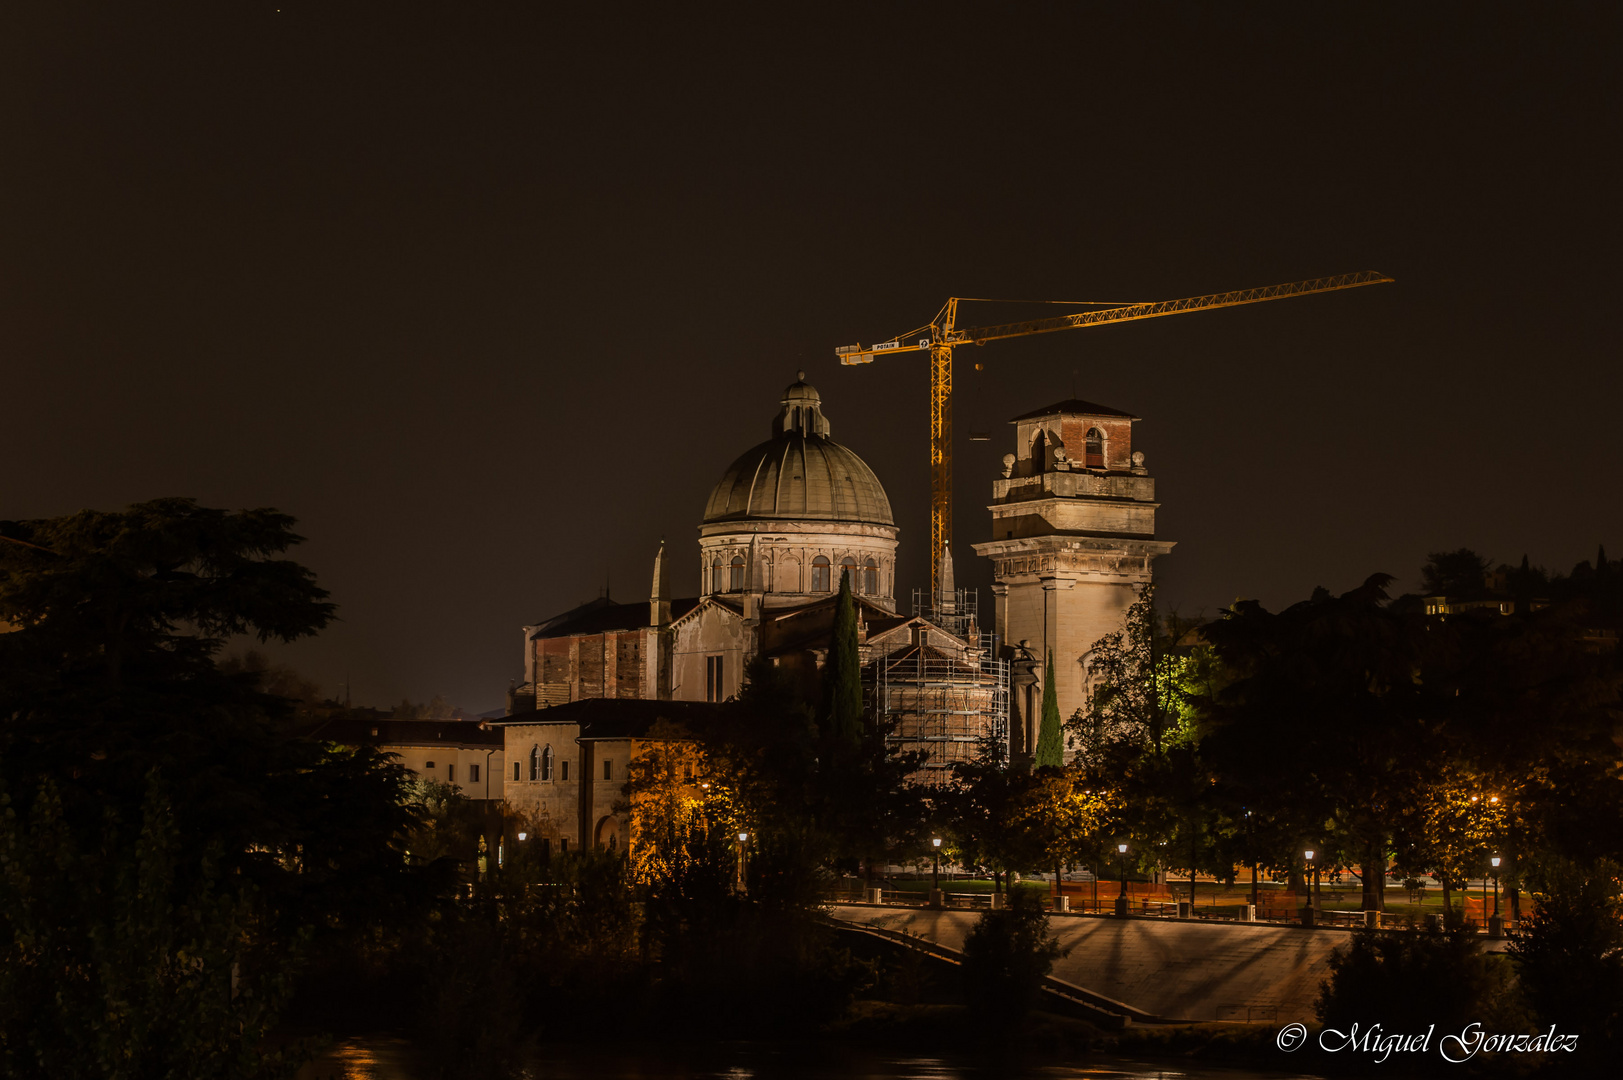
[799, 474]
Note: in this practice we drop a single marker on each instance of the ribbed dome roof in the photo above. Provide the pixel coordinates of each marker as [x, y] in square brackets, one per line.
[799, 473]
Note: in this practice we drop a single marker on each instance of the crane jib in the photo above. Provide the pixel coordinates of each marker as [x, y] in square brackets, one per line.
[945, 334]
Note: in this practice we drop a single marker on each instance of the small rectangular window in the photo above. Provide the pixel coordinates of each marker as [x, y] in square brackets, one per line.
[428, 764]
[473, 774]
[608, 769]
[714, 689]
[565, 767]
[515, 771]
[563, 844]
[450, 773]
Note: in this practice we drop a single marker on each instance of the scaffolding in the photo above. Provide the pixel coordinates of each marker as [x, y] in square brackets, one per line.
[947, 702]
[958, 612]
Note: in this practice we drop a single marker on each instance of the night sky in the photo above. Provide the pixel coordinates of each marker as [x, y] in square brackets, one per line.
[489, 300]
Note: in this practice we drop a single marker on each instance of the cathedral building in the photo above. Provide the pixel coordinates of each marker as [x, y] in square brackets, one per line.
[785, 522]
[1073, 541]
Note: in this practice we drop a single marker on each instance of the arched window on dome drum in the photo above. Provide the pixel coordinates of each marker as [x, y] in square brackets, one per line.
[819, 582]
[736, 581]
[848, 569]
[715, 576]
[789, 575]
[1095, 449]
[870, 579]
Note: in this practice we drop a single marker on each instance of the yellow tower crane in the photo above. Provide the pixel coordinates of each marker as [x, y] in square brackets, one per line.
[945, 335]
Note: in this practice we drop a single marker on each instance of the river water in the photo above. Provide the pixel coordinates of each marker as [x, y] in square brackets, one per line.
[385, 1058]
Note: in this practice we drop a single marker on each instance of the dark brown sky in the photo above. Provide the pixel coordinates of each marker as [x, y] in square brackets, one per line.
[489, 300]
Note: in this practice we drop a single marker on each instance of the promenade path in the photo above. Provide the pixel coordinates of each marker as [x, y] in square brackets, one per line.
[1193, 971]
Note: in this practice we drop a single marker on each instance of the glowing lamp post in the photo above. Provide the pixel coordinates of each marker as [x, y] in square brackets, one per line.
[1121, 897]
[935, 874]
[1313, 887]
[743, 838]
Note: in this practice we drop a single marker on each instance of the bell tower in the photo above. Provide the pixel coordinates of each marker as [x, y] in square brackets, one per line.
[1073, 538]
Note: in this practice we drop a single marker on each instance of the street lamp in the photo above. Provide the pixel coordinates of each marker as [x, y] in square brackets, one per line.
[1121, 897]
[1495, 862]
[935, 875]
[743, 838]
[1313, 889]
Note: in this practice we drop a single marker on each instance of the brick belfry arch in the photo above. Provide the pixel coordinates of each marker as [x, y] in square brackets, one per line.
[1072, 543]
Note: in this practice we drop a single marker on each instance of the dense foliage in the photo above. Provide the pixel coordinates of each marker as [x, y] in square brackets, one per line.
[169, 850]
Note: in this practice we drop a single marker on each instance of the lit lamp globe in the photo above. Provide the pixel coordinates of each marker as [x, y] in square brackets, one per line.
[523, 836]
[743, 837]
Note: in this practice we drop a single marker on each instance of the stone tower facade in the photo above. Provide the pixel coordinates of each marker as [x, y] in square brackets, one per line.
[1073, 539]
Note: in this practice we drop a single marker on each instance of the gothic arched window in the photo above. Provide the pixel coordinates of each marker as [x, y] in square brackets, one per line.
[848, 569]
[736, 583]
[546, 764]
[535, 763]
[819, 582]
[870, 579]
[1095, 449]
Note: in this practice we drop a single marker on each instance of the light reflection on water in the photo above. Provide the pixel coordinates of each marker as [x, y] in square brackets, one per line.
[388, 1058]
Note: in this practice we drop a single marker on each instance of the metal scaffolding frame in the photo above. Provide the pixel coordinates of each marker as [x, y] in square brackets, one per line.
[941, 704]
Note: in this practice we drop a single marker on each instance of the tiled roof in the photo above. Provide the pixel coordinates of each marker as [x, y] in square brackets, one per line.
[1074, 406]
[604, 615]
[361, 731]
[616, 718]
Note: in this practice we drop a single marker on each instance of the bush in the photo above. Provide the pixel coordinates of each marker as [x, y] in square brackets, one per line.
[1408, 981]
[1569, 957]
[1007, 954]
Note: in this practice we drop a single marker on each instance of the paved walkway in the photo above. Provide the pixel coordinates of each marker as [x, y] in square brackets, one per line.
[1183, 970]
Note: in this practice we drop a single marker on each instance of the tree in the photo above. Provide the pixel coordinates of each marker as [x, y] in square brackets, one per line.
[1319, 731]
[130, 959]
[109, 686]
[1007, 955]
[1050, 749]
[1063, 817]
[1462, 573]
[670, 815]
[842, 675]
[1569, 954]
[1414, 980]
[988, 807]
[1139, 681]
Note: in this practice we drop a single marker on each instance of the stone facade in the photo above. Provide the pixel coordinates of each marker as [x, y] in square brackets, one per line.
[569, 766]
[1073, 542]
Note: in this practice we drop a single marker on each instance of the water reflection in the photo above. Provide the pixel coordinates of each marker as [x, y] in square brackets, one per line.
[386, 1058]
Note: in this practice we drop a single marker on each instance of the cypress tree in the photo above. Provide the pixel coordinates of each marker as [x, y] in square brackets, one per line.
[842, 674]
[1050, 750]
